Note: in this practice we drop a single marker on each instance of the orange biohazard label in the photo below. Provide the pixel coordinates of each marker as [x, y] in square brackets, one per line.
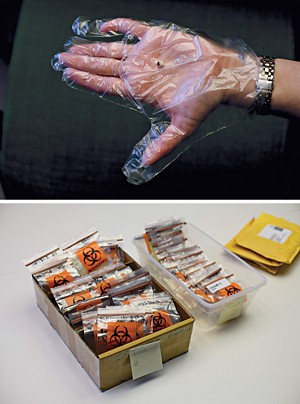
[120, 333]
[78, 297]
[91, 256]
[207, 297]
[88, 304]
[229, 290]
[59, 279]
[104, 286]
[160, 319]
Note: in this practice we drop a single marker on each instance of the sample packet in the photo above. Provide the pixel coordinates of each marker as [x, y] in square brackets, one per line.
[56, 274]
[36, 262]
[75, 294]
[90, 251]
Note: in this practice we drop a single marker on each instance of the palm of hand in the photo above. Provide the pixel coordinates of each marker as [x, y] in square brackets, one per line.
[170, 70]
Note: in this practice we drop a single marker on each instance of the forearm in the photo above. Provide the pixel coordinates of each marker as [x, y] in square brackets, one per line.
[286, 94]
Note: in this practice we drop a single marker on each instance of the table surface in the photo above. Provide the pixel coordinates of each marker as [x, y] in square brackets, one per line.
[253, 359]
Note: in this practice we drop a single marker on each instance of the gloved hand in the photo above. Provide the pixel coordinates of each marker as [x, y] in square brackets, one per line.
[174, 75]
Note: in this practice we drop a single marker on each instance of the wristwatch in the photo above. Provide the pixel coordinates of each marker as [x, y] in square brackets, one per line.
[264, 85]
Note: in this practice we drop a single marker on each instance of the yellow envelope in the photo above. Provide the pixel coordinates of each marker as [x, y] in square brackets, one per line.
[271, 270]
[249, 254]
[271, 237]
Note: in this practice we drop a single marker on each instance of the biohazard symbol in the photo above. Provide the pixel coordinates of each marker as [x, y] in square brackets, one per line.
[120, 336]
[231, 290]
[77, 299]
[158, 321]
[59, 280]
[104, 287]
[91, 256]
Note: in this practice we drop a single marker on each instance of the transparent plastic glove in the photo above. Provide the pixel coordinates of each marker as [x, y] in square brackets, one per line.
[175, 76]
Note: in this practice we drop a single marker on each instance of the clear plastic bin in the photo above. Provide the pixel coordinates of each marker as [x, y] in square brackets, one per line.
[213, 314]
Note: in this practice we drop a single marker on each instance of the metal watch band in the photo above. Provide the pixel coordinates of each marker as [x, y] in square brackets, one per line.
[264, 85]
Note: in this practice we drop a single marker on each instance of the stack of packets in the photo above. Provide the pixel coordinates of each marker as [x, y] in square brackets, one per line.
[267, 242]
[103, 298]
[168, 242]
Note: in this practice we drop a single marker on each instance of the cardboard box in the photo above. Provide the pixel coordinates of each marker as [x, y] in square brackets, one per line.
[113, 367]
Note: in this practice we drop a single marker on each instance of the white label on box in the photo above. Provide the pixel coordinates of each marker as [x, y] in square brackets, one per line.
[145, 359]
[275, 233]
[220, 284]
[232, 310]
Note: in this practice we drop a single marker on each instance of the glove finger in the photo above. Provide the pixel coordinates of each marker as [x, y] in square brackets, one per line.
[94, 65]
[103, 49]
[85, 27]
[102, 85]
[125, 26]
[163, 145]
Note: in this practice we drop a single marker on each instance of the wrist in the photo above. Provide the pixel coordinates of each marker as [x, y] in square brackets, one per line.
[233, 70]
[240, 74]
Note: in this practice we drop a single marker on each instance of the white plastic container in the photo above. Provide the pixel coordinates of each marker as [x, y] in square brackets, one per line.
[212, 313]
